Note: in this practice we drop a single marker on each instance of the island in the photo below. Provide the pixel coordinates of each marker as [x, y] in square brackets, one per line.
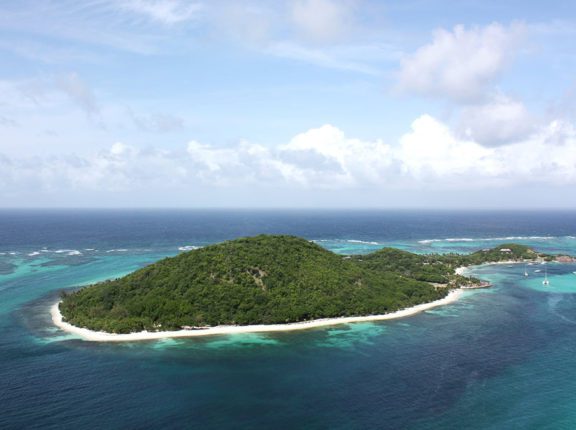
[271, 281]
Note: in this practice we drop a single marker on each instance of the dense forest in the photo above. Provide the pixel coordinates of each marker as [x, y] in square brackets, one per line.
[267, 280]
[439, 268]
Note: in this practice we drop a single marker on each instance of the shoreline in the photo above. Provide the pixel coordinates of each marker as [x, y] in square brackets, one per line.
[96, 336]
[463, 270]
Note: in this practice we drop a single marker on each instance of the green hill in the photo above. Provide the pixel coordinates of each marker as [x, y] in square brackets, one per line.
[258, 280]
[504, 252]
[267, 280]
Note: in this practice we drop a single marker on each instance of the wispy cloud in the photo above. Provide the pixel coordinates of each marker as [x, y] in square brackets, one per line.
[78, 92]
[324, 33]
[7, 122]
[47, 96]
[324, 21]
[167, 12]
[333, 58]
[156, 122]
[47, 53]
[91, 24]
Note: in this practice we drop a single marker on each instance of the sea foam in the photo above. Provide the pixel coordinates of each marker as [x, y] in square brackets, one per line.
[490, 239]
[187, 248]
[364, 242]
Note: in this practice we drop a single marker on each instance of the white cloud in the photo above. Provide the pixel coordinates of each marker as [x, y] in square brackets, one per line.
[433, 155]
[329, 158]
[500, 121]
[322, 21]
[429, 156]
[323, 157]
[431, 151]
[120, 168]
[245, 163]
[461, 64]
[548, 156]
[119, 149]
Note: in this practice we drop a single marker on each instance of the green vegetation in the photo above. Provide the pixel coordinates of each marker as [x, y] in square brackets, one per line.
[504, 252]
[428, 268]
[267, 280]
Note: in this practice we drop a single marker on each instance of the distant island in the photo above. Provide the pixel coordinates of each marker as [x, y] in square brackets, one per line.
[271, 280]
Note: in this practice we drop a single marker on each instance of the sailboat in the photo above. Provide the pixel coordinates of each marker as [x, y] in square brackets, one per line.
[525, 270]
[546, 281]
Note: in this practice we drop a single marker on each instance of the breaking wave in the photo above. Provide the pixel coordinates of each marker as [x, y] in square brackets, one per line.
[187, 248]
[362, 242]
[493, 239]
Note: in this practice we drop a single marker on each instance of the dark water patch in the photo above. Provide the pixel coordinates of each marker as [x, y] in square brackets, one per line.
[68, 261]
[7, 268]
[34, 316]
[107, 229]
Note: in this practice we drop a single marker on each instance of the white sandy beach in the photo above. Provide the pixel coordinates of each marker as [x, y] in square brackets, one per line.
[465, 269]
[95, 336]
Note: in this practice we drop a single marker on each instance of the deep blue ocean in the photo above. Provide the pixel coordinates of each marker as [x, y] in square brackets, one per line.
[500, 358]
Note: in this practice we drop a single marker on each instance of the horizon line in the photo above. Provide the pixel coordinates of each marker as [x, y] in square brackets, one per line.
[288, 208]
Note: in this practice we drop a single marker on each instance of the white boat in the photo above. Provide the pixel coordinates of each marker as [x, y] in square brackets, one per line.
[546, 281]
[525, 270]
[537, 271]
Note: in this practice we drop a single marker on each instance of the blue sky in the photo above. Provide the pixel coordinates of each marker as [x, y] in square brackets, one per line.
[287, 103]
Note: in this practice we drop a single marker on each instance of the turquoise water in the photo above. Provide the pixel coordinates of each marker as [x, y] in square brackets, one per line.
[500, 358]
